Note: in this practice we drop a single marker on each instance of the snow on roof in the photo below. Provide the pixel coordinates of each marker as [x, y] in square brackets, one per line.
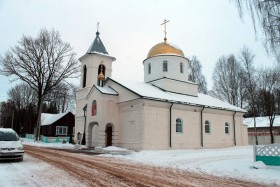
[6, 130]
[106, 90]
[151, 92]
[48, 119]
[261, 121]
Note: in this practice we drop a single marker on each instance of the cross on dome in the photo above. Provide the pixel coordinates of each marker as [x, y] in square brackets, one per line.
[165, 21]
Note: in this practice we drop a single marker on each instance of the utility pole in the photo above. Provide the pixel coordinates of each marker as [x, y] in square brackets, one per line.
[12, 126]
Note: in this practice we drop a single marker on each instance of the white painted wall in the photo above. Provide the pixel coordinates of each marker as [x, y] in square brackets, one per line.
[173, 68]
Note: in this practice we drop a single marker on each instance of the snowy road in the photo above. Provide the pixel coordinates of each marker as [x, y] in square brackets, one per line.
[48, 167]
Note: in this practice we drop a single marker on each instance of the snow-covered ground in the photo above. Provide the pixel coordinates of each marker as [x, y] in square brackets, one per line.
[236, 162]
[32, 172]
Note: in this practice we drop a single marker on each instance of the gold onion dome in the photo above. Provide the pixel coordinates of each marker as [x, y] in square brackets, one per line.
[164, 48]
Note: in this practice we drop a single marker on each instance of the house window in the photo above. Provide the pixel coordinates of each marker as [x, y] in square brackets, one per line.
[61, 130]
[181, 67]
[207, 127]
[179, 125]
[226, 128]
[93, 108]
[84, 76]
[149, 68]
[165, 67]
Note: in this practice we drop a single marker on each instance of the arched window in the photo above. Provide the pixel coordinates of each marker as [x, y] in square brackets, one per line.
[165, 66]
[179, 125]
[181, 67]
[226, 128]
[149, 68]
[93, 108]
[207, 127]
[84, 76]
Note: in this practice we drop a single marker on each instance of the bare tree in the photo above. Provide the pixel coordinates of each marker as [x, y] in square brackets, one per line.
[229, 81]
[22, 95]
[41, 62]
[62, 97]
[269, 85]
[266, 13]
[247, 59]
[195, 74]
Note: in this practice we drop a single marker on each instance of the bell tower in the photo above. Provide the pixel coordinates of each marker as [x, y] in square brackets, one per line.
[96, 64]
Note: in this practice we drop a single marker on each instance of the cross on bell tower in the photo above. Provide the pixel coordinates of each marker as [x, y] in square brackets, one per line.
[165, 21]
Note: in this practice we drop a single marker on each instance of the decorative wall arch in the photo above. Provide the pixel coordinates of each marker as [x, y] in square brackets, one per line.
[93, 129]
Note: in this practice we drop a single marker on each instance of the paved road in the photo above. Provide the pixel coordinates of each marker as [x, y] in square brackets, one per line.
[92, 170]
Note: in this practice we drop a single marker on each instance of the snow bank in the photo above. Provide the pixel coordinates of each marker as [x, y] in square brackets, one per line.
[236, 162]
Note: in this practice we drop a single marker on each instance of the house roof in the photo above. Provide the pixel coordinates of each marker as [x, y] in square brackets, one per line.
[146, 90]
[261, 122]
[48, 119]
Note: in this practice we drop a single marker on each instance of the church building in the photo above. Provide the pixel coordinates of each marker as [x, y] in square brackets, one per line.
[163, 112]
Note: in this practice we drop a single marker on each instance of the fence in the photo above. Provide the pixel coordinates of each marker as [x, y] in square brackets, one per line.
[268, 154]
[49, 139]
[263, 140]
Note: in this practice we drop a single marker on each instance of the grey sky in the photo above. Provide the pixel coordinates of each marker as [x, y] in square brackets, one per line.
[129, 28]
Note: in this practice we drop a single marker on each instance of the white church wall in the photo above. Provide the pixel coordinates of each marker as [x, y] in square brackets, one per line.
[241, 131]
[81, 101]
[131, 125]
[217, 138]
[190, 137]
[107, 113]
[79, 126]
[173, 70]
[156, 125]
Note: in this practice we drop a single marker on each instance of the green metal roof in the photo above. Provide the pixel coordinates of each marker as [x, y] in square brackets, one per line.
[97, 46]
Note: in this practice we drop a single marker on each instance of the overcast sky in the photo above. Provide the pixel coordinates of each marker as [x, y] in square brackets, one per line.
[130, 28]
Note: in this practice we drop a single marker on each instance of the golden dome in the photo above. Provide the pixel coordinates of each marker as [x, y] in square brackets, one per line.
[164, 48]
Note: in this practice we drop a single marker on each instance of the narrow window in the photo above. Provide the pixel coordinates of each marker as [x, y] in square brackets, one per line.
[93, 108]
[179, 125]
[165, 67]
[181, 67]
[84, 76]
[226, 128]
[149, 68]
[207, 127]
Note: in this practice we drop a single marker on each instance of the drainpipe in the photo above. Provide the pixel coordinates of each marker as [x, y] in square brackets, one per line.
[170, 122]
[201, 127]
[234, 136]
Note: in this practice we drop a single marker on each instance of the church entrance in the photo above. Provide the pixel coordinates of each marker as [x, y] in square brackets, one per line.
[109, 134]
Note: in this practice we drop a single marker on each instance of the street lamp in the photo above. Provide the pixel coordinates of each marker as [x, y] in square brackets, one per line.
[84, 135]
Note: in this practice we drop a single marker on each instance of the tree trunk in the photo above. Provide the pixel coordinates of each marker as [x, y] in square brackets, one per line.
[271, 135]
[256, 136]
[38, 123]
[271, 120]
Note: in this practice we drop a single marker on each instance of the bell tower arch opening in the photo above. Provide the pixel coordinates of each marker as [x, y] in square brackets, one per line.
[84, 76]
[101, 74]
